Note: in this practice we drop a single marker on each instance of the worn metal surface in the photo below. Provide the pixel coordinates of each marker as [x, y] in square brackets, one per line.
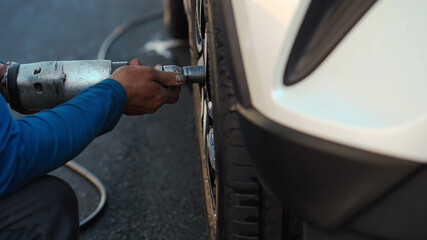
[43, 85]
[192, 74]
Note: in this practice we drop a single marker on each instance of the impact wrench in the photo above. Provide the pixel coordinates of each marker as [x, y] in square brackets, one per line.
[37, 86]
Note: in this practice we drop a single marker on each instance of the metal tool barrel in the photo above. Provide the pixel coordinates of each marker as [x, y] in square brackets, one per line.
[36, 86]
[193, 74]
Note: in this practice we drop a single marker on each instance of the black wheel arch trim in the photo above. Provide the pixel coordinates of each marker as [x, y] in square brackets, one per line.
[324, 182]
[228, 22]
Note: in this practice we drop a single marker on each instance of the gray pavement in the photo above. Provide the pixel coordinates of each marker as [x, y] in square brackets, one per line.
[149, 164]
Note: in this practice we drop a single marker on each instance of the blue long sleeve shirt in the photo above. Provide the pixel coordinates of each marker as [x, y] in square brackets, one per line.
[37, 144]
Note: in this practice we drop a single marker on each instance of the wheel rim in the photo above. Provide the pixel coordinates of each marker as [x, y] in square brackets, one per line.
[206, 105]
[200, 27]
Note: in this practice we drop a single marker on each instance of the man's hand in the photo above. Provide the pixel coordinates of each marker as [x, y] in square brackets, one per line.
[3, 68]
[147, 89]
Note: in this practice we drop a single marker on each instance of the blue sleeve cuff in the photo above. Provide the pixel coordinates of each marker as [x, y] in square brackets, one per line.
[119, 89]
[118, 98]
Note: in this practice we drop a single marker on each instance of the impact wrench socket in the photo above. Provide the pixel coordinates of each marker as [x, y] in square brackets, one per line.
[193, 74]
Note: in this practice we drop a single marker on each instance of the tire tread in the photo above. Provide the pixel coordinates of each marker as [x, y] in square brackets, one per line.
[244, 211]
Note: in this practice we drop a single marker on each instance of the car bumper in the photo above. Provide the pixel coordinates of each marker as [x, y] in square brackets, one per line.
[335, 186]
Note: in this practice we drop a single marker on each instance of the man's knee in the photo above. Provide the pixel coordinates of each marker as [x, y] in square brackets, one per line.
[48, 205]
[60, 196]
[57, 190]
[63, 206]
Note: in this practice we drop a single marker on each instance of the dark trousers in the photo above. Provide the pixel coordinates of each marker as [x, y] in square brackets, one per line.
[44, 209]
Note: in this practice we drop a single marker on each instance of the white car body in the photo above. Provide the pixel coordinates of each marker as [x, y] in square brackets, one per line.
[369, 93]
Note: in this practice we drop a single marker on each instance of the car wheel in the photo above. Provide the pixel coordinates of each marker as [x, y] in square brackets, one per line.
[236, 205]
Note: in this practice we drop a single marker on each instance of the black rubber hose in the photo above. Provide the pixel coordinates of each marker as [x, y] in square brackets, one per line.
[111, 38]
[122, 28]
[98, 184]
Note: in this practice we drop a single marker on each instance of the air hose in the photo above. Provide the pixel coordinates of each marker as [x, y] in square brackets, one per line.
[99, 186]
[122, 28]
[103, 51]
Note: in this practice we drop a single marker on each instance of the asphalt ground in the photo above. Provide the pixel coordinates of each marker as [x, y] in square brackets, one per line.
[149, 163]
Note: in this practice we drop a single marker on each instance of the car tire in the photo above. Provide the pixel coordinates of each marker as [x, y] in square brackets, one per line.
[237, 207]
[175, 19]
